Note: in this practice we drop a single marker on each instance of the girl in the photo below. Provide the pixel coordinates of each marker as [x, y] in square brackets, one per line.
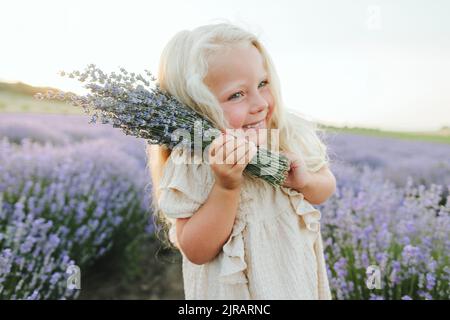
[240, 237]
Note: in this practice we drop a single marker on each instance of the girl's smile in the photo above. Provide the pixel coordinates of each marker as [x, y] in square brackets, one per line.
[262, 124]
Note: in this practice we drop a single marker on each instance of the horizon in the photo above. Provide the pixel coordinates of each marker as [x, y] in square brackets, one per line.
[324, 123]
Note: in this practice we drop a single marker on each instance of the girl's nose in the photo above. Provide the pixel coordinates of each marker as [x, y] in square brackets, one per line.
[258, 104]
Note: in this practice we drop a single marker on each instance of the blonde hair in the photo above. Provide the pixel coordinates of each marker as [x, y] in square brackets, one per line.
[184, 65]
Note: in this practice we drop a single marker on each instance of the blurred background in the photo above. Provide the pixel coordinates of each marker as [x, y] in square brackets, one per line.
[375, 76]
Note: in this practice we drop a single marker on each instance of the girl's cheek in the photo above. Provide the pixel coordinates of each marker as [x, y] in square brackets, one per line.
[271, 106]
[235, 117]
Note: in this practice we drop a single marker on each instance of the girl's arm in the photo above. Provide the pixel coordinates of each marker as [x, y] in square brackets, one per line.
[202, 236]
[319, 187]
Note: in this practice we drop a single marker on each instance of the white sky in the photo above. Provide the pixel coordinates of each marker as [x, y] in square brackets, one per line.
[382, 64]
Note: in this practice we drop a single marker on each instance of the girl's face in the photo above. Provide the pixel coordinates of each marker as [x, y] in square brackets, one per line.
[239, 81]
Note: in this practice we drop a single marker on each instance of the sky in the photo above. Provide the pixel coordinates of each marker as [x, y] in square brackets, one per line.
[379, 64]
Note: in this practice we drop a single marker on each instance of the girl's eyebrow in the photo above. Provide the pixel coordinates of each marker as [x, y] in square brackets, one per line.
[240, 84]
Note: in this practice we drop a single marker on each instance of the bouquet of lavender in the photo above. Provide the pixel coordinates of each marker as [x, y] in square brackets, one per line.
[127, 101]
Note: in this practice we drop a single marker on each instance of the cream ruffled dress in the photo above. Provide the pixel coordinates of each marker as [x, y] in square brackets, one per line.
[274, 250]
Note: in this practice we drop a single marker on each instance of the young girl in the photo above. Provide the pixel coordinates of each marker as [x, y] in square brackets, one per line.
[240, 237]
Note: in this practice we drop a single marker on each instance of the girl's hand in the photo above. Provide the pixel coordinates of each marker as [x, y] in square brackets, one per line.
[228, 157]
[258, 137]
[298, 176]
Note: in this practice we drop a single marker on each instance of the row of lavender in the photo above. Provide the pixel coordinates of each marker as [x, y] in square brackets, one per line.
[68, 193]
[402, 231]
[397, 159]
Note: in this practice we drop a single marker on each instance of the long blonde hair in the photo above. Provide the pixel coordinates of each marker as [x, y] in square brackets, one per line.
[184, 65]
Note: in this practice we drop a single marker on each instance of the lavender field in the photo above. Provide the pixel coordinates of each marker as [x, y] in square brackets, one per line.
[71, 191]
[391, 210]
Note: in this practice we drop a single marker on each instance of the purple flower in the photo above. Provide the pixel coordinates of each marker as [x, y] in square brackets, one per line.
[46, 184]
[410, 253]
[340, 267]
[55, 278]
[34, 295]
[26, 246]
[430, 281]
[401, 228]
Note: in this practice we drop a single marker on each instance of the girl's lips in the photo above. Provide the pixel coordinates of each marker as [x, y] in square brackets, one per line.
[259, 125]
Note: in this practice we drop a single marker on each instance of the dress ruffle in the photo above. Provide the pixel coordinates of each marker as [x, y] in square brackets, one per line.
[233, 263]
[311, 218]
[310, 215]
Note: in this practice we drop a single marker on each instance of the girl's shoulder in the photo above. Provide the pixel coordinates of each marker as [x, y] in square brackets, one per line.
[182, 155]
[187, 167]
[185, 184]
[186, 158]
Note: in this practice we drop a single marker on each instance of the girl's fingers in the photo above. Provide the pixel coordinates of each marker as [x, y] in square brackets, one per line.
[217, 148]
[250, 152]
[227, 148]
[225, 154]
[236, 154]
[217, 143]
[220, 152]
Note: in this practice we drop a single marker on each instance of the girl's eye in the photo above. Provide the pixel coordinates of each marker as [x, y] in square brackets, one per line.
[265, 81]
[233, 96]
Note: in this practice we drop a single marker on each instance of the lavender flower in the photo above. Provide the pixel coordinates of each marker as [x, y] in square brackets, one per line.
[127, 101]
[40, 224]
[402, 229]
